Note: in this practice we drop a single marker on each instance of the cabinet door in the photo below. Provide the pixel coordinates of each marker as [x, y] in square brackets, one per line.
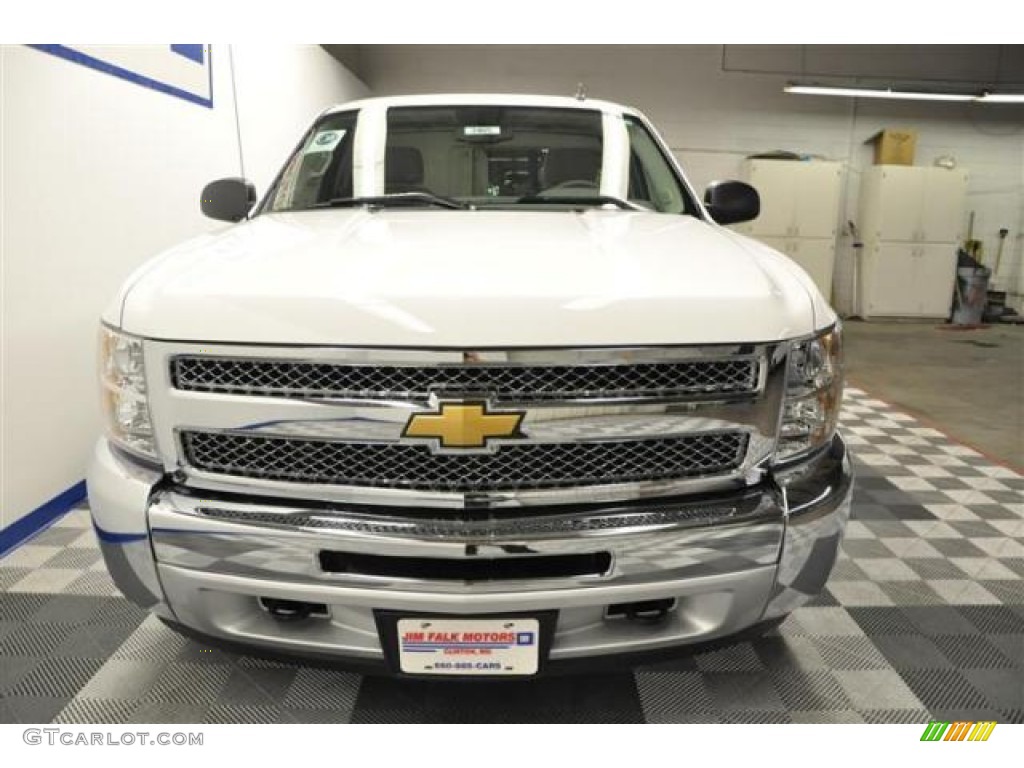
[898, 206]
[942, 205]
[887, 280]
[775, 183]
[934, 278]
[817, 257]
[817, 199]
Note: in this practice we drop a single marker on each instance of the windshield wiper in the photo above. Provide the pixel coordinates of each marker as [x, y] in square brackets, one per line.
[580, 200]
[394, 199]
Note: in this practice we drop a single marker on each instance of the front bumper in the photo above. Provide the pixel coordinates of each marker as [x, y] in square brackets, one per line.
[729, 561]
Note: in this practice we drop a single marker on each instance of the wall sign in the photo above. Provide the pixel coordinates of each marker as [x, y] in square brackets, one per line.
[182, 70]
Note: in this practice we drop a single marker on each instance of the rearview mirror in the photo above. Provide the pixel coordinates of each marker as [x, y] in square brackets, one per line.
[228, 199]
[730, 202]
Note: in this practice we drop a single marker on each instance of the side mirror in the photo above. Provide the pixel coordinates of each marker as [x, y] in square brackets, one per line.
[730, 202]
[228, 199]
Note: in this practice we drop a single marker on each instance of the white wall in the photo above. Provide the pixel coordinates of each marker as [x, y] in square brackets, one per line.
[712, 118]
[98, 174]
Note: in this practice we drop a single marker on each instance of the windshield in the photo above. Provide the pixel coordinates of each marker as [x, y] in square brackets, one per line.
[483, 156]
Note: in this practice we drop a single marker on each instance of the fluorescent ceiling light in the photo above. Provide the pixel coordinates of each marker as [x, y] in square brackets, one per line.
[874, 93]
[1003, 98]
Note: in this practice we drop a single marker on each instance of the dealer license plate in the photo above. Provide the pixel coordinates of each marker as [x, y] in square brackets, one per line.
[468, 646]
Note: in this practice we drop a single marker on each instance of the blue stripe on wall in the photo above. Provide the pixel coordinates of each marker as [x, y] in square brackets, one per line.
[39, 519]
[193, 51]
[86, 60]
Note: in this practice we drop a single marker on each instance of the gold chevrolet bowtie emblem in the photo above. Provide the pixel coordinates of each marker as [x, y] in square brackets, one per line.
[464, 425]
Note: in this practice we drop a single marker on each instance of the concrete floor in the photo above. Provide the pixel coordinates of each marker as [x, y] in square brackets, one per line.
[967, 383]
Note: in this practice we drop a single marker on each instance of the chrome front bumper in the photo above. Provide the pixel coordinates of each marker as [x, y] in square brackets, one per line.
[729, 561]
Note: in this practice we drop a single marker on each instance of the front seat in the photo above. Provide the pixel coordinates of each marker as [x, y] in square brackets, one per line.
[403, 170]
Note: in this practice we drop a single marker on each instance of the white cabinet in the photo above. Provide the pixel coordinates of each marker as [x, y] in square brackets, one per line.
[799, 212]
[911, 222]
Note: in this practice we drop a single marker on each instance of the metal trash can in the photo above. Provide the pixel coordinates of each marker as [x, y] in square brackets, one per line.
[971, 294]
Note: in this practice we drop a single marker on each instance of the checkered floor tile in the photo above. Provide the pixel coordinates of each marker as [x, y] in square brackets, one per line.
[923, 618]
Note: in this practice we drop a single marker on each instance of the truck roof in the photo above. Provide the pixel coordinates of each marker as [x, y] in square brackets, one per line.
[473, 99]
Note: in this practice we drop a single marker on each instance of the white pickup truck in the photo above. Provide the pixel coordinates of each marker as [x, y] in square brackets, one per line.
[479, 387]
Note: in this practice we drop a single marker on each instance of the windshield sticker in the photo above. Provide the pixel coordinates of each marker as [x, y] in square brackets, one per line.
[481, 130]
[325, 141]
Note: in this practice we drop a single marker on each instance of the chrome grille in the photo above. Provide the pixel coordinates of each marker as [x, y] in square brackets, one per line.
[513, 467]
[521, 383]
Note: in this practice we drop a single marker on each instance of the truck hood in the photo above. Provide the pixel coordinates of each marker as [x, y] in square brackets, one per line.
[436, 278]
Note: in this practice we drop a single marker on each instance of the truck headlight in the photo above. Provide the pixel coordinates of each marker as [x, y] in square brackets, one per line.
[123, 393]
[814, 393]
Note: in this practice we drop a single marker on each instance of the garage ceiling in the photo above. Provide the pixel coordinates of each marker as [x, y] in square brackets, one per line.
[978, 66]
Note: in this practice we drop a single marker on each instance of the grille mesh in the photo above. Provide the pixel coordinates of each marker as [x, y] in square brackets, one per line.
[524, 383]
[513, 467]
